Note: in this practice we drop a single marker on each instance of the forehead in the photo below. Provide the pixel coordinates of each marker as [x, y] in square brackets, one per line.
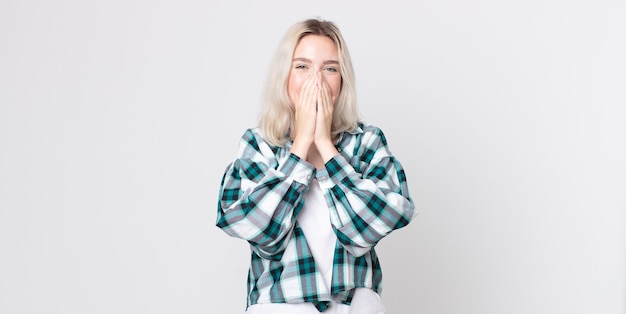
[315, 46]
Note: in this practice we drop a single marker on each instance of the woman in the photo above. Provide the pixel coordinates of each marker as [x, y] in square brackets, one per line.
[313, 189]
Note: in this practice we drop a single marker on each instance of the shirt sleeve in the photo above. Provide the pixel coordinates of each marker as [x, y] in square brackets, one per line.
[368, 202]
[260, 196]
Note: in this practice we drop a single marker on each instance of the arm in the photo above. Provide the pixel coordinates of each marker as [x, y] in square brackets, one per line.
[365, 206]
[259, 201]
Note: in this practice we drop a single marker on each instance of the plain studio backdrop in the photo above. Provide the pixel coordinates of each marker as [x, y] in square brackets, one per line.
[118, 118]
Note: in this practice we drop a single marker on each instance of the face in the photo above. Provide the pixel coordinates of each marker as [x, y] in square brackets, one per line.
[314, 53]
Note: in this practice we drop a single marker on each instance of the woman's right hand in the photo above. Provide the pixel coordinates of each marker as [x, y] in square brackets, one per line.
[305, 115]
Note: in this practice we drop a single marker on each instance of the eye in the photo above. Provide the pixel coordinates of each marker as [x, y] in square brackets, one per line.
[301, 67]
[330, 69]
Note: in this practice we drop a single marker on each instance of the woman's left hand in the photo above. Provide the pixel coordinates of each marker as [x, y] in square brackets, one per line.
[324, 120]
[324, 117]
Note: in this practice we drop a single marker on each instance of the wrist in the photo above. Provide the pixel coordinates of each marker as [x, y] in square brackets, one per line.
[300, 148]
[326, 149]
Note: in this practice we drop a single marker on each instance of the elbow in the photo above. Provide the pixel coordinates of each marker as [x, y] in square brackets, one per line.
[356, 251]
[354, 248]
[272, 253]
[408, 214]
[266, 239]
[270, 246]
[404, 220]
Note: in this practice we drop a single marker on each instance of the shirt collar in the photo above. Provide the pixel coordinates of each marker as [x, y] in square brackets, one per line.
[357, 130]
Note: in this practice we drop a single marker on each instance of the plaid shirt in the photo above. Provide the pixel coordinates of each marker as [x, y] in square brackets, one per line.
[263, 191]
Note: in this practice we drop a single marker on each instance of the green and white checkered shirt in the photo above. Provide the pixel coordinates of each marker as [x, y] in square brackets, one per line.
[264, 189]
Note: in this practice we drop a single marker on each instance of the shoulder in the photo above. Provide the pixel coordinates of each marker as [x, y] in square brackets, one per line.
[252, 134]
[253, 143]
[250, 141]
[372, 135]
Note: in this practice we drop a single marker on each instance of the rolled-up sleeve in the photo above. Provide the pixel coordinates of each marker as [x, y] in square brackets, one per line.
[368, 204]
[260, 196]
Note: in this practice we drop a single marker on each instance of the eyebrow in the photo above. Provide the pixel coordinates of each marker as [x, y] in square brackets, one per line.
[309, 61]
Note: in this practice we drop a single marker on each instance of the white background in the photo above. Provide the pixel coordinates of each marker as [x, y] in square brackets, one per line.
[117, 119]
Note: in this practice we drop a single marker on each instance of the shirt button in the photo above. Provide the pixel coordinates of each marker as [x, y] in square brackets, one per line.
[323, 179]
[308, 177]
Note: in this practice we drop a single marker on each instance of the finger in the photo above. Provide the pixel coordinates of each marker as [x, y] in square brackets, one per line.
[306, 83]
[307, 92]
[329, 95]
[310, 83]
[326, 95]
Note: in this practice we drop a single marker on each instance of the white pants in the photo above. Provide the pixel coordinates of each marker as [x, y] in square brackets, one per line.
[365, 301]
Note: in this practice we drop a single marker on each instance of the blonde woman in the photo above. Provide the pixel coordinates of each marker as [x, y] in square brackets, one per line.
[313, 189]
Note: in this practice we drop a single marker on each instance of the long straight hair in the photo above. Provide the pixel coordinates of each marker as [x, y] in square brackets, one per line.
[277, 115]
